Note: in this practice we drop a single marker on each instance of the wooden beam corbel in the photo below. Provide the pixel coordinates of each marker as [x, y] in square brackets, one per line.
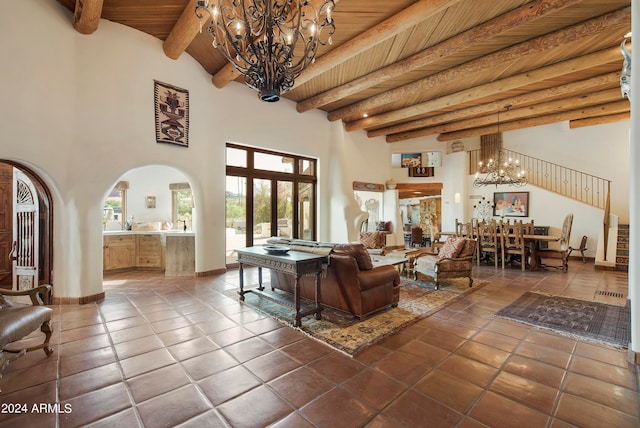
[184, 31]
[86, 15]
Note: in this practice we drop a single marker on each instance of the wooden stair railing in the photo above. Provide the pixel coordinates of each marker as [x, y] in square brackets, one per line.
[580, 186]
[568, 182]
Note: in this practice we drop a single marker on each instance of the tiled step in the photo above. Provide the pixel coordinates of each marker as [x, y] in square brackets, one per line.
[622, 248]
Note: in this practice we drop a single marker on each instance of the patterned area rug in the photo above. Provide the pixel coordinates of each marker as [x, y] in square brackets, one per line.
[594, 321]
[349, 335]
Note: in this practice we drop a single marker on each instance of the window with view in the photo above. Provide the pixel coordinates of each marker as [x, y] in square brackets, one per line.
[268, 194]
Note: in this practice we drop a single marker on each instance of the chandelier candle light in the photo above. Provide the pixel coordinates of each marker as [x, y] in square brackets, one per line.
[269, 41]
[500, 170]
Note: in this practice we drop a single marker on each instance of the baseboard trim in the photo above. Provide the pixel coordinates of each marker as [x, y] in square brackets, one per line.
[633, 357]
[213, 272]
[78, 300]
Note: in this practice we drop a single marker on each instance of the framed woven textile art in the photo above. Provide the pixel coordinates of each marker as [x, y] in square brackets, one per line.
[172, 114]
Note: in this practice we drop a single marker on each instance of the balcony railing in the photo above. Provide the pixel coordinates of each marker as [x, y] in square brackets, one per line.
[568, 182]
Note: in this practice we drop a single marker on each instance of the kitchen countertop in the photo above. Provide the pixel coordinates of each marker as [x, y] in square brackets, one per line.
[150, 232]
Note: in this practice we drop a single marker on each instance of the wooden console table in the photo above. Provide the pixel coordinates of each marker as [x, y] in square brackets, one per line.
[294, 263]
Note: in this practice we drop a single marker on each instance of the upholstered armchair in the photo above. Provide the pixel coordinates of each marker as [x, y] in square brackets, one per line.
[454, 260]
[17, 320]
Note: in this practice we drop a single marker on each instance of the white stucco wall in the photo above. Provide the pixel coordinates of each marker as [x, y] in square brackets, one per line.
[78, 109]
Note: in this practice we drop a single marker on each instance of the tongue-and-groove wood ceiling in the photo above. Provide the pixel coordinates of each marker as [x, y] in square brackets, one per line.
[430, 67]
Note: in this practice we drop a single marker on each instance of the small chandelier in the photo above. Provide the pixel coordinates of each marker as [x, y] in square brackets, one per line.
[502, 170]
[269, 41]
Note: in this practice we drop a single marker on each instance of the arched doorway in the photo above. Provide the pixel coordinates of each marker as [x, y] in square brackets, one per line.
[142, 212]
[26, 227]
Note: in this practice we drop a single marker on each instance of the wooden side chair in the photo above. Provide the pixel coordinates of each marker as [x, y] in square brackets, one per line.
[562, 252]
[464, 230]
[512, 243]
[488, 241]
[582, 248]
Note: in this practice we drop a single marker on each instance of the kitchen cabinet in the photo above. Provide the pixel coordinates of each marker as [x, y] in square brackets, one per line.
[180, 259]
[149, 251]
[119, 252]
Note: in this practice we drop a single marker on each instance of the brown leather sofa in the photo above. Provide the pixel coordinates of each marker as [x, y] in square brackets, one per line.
[349, 283]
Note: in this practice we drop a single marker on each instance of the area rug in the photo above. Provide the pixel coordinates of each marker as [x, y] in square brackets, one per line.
[340, 330]
[599, 322]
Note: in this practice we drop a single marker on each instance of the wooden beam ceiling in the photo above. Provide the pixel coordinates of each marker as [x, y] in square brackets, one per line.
[429, 67]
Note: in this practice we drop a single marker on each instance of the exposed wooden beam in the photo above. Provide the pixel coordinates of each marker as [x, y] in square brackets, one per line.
[540, 109]
[489, 89]
[597, 83]
[409, 17]
[86, 15]
[599, 120]
[604, 109]
[509, 55]
[184, 31]
[508, 21]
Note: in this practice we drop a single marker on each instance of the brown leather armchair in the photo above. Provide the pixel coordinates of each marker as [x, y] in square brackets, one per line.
[17, 320]
[350, 283]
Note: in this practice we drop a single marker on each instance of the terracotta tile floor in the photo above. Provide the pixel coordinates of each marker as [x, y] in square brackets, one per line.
[165, 352]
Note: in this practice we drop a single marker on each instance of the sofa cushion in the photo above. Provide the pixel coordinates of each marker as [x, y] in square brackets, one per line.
[4, 303]
[20, 320]
[451, 247]
[358, 251]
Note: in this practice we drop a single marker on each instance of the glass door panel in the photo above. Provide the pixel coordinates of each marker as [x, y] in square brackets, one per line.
[306, 211]
[285, 209]
[236, 216]
[261, 211]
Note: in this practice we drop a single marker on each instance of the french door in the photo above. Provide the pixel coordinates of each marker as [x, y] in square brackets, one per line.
[267, 194]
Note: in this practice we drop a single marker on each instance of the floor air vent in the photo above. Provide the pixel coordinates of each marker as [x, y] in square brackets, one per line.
[609, 294]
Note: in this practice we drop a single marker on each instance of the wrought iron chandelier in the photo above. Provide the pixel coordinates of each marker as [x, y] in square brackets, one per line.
[269, 41]
[501, 170]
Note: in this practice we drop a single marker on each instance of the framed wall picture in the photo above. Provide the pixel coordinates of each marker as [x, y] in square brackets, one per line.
[410, 160]
[150, 201]
[511, 204]
[171, 105]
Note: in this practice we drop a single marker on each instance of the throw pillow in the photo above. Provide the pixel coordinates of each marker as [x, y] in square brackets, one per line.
[358, 251]
[451, 247]
[373, 239]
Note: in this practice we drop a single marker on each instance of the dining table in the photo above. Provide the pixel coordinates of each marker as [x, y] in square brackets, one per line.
[533, 241]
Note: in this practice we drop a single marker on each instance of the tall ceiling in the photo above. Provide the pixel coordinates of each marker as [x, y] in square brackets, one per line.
[429, 67]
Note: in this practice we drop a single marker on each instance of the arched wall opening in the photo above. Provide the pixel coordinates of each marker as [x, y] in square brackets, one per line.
[153, 199]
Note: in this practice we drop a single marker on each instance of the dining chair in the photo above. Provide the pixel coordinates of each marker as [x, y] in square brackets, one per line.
[464, 230]
[512, 243]
[562, 252]
[416, 236]
[488, 242]
[582, 248]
